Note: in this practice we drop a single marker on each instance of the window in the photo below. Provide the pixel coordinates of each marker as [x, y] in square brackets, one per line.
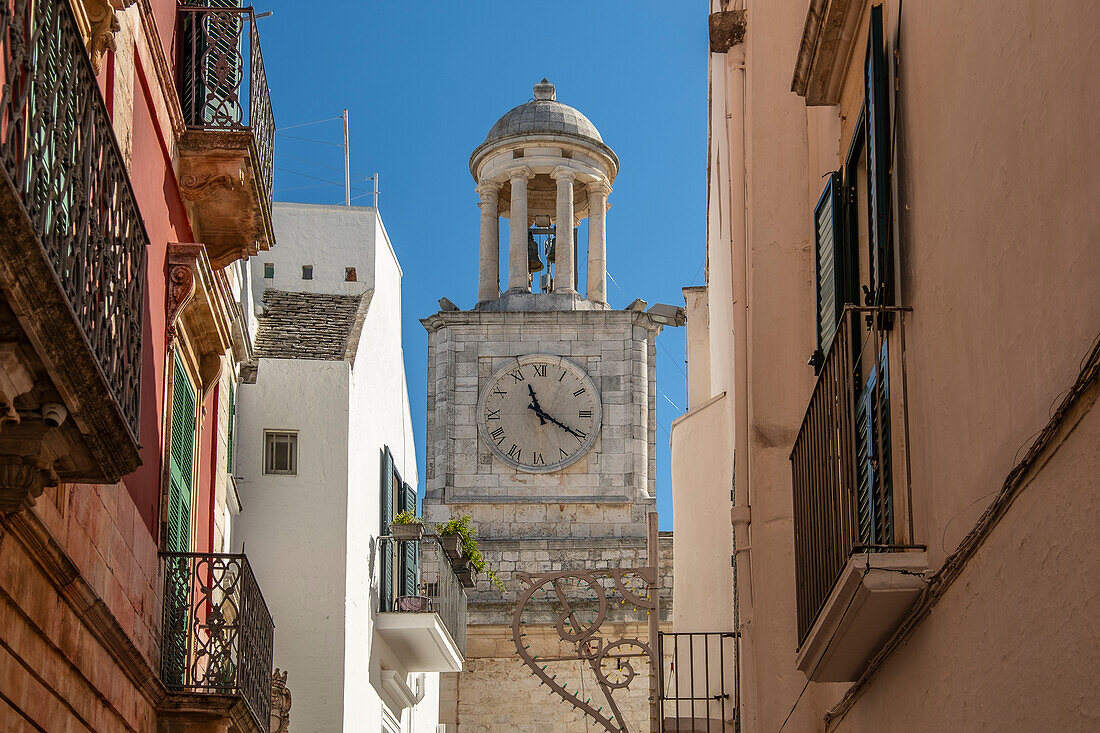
[230, 426]
[400, 561]
[307, 272]
[281, 453]
[349, 274]
[269, 270]
[181, 458]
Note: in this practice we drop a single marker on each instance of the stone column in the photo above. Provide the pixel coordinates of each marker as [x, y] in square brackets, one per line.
[488, 269]
[564, 266]
[517, 233]
[597, 241]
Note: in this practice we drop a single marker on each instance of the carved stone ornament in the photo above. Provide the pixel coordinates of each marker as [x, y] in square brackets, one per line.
[196, 187]
[280, 703]
[102, 27]
[22, 479]
[181, 287]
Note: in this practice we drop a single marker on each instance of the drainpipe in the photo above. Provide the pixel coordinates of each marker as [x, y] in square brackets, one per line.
[738, 274]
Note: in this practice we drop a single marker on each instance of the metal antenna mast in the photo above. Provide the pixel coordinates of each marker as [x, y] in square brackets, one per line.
[347, 165]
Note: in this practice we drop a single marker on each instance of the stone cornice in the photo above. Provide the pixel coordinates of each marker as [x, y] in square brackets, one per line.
[595, 317]
[827, 41]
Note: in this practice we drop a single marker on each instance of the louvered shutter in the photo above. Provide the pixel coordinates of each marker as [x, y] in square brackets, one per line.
[878, 162]
[229, 428]
[410, 570]
[874, 491]
[386, 498]
[181, 460]
[828, 264]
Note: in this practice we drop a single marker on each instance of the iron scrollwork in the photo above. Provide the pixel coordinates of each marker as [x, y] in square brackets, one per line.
[579, 603]
[218, 634]
[214, 68]
[59, 151]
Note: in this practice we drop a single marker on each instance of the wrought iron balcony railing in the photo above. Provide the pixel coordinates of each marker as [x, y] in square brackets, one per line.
[218, 634]
[223, 84]
[843, 461]
[698, 688]
[421, 569]
[59, 155]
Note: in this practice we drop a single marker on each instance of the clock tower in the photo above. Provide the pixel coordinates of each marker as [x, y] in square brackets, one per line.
[541, 398]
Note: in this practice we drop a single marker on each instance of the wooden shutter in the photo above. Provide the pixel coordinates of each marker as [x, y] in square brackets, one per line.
[386, 513]
[229, 428]
[828, 264]
[181, 460]
[878, 163]
[410, 560]
[874, 492]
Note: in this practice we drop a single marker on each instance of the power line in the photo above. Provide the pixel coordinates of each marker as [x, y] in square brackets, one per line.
[310, 140]
[307, 124]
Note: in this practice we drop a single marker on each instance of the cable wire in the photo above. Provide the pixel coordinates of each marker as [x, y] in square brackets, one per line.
[307, 124]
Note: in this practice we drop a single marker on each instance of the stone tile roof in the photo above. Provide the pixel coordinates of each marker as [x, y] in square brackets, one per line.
[320, 326]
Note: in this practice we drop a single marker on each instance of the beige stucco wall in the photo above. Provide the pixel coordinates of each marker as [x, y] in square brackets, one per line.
[1012, 646]
[701, 532]
[996, 163]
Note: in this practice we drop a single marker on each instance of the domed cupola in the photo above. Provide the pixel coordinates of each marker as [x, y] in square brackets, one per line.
[545, 167]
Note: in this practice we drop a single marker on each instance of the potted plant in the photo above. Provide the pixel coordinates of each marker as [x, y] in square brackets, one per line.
[459, 539]
[407, 527]
[452, 536]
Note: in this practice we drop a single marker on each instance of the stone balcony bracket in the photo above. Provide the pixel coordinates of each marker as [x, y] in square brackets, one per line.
[199, 300]
[223, 194]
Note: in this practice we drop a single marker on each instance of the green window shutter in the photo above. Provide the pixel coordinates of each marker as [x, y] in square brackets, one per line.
[386, 497]
[181, 460]
[410, 560]
[828, 264]
[878, 163]
[229, 428]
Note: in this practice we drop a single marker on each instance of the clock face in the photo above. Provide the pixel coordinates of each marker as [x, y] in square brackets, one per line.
[539, 413]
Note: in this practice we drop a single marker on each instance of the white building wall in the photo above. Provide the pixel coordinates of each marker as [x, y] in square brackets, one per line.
[293, 528]
[380, 417]
[335, 659]
[330, 238]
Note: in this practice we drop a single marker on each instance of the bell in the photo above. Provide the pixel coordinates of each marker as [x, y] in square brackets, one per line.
[550, 248]
[534, 264]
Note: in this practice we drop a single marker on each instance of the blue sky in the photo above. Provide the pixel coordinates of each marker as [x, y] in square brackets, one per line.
[424, 82]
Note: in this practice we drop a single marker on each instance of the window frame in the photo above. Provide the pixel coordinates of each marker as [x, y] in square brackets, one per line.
[269, 436]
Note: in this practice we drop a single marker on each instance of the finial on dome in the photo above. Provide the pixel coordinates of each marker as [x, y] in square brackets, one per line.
[544, 90]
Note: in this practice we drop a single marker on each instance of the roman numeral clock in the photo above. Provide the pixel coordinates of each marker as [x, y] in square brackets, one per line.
[540, 413]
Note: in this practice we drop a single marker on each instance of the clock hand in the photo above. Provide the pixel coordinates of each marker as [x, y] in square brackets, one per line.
[535, 405]
[561, 425]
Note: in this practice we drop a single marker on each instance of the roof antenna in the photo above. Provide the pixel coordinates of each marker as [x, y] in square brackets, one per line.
[347, 163]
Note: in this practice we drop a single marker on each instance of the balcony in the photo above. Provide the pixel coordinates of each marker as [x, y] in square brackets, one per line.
[856, 575]
[422, 612]
[698, 691]
[216, 650]
[227, 151]
[72, 266]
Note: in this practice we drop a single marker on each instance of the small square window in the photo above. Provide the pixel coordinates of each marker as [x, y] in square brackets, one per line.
[349, 274]
[281, 453]
[307, 272]
[269, 270]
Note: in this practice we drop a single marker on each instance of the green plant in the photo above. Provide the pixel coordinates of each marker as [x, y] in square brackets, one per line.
[464, 528]
[407, 517]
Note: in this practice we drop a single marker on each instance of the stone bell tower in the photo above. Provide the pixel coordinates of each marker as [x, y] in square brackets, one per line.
[541, 399]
